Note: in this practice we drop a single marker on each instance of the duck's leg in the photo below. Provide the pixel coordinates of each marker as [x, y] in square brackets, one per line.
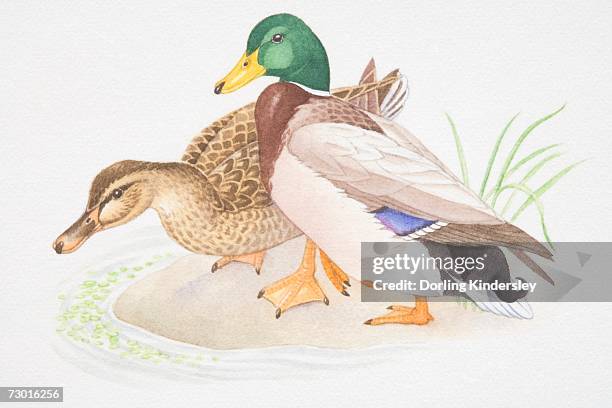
[419, 314]
[255, 259]
[335, 275]
[297, 288]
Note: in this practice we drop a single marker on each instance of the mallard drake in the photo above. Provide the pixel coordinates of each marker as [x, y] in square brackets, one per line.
[358, 172]
[212, 201]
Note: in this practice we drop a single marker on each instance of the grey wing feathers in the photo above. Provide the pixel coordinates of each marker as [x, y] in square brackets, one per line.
[399, 172]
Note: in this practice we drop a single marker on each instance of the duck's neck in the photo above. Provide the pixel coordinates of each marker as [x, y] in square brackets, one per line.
[314, 74]
[187, 204]
[179, 186]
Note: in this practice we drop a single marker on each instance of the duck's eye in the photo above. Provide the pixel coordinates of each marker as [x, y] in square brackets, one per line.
[277, 38]
[117, 193]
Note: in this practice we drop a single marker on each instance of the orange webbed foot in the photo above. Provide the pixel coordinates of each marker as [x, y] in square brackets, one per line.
[419, 314]
[255, 259]
[298, 288]
[336, 276]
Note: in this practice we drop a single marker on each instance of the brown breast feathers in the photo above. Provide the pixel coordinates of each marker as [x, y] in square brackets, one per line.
[274, 107]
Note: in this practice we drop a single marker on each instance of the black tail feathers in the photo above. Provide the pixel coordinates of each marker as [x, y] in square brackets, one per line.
[495, 268]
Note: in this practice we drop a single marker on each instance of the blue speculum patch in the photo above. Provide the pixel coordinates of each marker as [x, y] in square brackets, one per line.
[399, 222]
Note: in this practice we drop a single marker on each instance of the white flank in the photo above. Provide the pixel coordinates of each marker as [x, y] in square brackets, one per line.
[336, 222]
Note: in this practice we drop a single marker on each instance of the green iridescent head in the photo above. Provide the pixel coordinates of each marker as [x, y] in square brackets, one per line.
[283, 46]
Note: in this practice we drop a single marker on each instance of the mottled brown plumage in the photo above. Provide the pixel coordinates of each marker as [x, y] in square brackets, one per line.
[189, 207]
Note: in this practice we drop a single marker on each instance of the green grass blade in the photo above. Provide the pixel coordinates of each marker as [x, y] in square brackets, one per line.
[517, 145]
[516, 167]
[493, 155]
[544, 188]
[532, 172]
[530, 157]
[460, 154]
[535, 199]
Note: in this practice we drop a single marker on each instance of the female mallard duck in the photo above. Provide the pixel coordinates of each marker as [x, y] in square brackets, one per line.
[213, 202]
[357, 170]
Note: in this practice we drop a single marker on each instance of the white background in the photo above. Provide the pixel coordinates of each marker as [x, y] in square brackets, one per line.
[83, 85]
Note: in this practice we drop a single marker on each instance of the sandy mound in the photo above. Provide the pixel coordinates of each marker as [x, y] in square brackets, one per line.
[186, 302]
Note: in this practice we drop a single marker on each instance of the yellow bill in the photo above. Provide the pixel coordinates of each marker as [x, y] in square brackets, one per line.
[246, 70]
